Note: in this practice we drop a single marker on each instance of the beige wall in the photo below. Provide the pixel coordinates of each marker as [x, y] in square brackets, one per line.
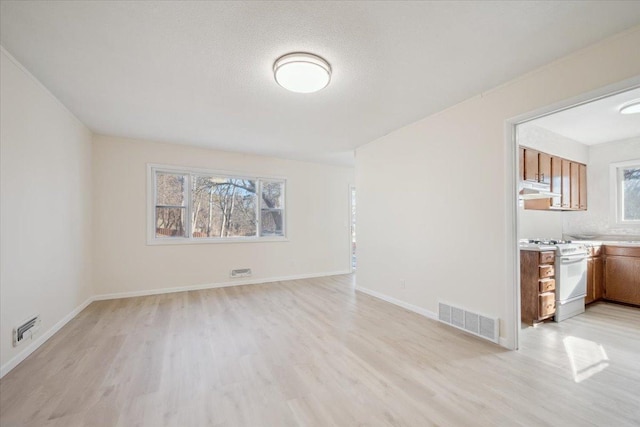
[432, 196]
[45, 254]
[317, 220]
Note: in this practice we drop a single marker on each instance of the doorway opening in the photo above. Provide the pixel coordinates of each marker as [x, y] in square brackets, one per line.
[566, 205]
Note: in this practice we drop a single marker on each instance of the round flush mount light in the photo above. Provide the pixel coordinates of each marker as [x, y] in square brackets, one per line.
[302, 72]
[632, 107]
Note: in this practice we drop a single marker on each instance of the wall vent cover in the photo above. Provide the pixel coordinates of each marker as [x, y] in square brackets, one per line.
[241, 272]
[474, 323]
[26, 330]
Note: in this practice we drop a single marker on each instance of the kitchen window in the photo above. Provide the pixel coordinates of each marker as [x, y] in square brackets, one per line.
[203, 206]
[625, 188]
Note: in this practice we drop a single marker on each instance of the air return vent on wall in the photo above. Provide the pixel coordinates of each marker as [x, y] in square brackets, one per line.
[482, 326]
[26, 330]
[241, 272]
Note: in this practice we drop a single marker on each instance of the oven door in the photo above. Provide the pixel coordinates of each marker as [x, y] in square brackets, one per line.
[571, 277]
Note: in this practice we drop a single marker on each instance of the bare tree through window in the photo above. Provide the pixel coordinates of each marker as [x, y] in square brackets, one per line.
[217, 207]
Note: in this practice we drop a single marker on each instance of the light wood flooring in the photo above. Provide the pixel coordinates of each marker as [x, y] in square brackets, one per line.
[317, 353]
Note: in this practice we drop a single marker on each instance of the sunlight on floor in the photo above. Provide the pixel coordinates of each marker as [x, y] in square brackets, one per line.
[587, 357]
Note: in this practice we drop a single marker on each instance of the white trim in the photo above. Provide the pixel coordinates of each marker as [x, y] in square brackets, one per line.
[502, 341]
[615, 196]
[35, 344]
[422, 311]
[352, 187]
[160, 291]
[512, 251]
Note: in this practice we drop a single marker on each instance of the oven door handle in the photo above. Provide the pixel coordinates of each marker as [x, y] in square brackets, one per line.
[572, 259]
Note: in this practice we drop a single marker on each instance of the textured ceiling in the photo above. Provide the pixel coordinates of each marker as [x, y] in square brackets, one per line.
[596, 122]
[199, 73]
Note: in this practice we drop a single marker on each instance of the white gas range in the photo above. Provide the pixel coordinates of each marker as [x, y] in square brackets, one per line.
[570, 274]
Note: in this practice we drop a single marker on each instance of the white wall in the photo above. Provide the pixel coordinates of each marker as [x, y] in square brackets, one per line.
[45, 212]
[317, 220]
[547, 224]
[533, 136]
[596, 219]
[432, 196]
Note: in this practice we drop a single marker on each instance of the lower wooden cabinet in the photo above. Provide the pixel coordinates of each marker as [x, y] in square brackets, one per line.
[537, 286]
[622, 279]
[595, 279]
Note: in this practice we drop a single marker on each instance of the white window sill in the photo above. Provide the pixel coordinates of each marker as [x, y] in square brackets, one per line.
[201, 241]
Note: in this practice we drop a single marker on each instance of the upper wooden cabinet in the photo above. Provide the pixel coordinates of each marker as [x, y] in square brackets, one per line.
[582, 187]
[574, 185]
[544, 168]
[530, 165]
[567, 178]
[566, 184]
[535, 166]
[556, 181]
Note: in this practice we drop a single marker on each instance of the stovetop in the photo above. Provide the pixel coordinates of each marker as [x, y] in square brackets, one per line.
[562, 247]
[547, 241]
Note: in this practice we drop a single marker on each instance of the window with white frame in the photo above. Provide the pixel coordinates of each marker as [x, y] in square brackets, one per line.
[194, 205]
[625, 186]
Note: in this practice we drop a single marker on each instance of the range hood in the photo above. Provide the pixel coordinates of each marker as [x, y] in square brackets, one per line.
[536, 190]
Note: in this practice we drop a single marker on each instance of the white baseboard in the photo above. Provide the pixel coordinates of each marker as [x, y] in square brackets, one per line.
[422, 311]
[36, 343]
[132, 294]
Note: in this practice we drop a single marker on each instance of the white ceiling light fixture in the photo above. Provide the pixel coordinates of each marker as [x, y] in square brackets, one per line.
[302, 72]
[632, 107]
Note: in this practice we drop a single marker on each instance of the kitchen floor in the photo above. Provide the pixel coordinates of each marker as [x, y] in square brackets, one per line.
[599, 348]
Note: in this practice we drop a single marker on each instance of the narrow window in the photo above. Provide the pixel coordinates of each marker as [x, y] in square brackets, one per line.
[625, 193]
[272, 210]
[629, 193]
[170, 206]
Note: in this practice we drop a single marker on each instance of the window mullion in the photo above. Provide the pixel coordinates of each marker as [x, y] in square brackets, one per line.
[188, 206]
[259, 208]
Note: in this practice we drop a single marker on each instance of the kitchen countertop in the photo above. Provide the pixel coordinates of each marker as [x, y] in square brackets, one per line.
[633, 243]
[534, 247]
[542, 248]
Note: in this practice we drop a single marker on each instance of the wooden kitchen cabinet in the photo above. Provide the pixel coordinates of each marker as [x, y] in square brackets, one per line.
[622, 274]
[582, 187]
[595, 271]
[530, 165]
[566, 184]
[564, 177]
[537, 286]
[574, 185]
[556, 181]
[544, 168]
[536, 165]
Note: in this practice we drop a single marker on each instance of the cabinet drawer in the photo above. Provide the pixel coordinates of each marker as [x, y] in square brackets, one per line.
[547, 257]
[547, 304]
[546, 285]
[546, 271]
